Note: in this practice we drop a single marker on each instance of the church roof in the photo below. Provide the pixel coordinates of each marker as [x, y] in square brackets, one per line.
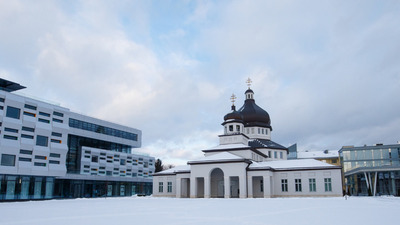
[297, 164]
[219, 158]
[175, 170]
[228, 147]
[263, 143]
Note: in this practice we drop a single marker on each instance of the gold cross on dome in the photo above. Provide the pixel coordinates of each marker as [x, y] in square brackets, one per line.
[233, 98]
[249, 82]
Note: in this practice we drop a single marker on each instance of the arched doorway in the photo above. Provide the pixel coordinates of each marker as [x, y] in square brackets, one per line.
[217, 183]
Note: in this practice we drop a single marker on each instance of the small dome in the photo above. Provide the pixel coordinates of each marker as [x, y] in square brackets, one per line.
[249, 91]
[233, 116]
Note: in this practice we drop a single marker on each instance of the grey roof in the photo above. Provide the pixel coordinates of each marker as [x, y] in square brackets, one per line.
[263, 143]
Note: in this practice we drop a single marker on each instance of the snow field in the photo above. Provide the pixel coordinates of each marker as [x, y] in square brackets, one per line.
[164, 211]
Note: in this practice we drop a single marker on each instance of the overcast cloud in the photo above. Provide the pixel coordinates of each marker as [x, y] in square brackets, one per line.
[328, 72]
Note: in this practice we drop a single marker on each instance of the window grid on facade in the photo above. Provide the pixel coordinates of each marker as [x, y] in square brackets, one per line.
[169, 187]
[284, 183]
[328, 184]
[160, 187]
[297, 183]
[313, 187]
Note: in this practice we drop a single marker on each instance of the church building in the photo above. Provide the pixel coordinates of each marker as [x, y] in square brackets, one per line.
[248, 164]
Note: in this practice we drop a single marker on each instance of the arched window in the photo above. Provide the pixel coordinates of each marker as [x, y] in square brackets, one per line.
[237, 128]
[231, 128]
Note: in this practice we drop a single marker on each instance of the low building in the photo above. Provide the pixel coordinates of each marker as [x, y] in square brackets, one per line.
[247, 163]
[47, 151]
[371, 170]
[328, 156]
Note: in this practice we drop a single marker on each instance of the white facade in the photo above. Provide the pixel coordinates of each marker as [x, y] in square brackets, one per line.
[33, 136]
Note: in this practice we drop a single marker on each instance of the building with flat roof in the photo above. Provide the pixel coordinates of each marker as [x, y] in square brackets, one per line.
[371, 170]
[47, 152]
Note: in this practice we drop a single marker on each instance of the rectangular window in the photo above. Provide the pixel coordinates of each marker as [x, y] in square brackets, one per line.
[328, 184]
[44, 114]
[2, 99]
[313, 187]
[12, 130]
[58, 114]
[169, 187]
[22, 159]
[123, 162]
[284, 185]
[26, 152]
[26, 136]
[43, 120]
[55, 155]
[40, 157]
[29, 114]
[95, 159]
[54, 162]
[57, 120]
[42, 140]
[39, 164]
[30, 107]
[56, 134]
[297, 183]
[7, 160]
[10, 137]
[55, 141]
[281, 155]
[13, 112]
[269, 154]
[160, 187]
[28, 129]
[275, 155]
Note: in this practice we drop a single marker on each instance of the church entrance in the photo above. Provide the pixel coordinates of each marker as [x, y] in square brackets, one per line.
[200, 187]
[217, 183]
[234, 188]
[258, 187]
[185, 188]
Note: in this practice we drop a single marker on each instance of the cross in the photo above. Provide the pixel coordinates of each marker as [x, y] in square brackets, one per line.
[249, 82]
[233, 98]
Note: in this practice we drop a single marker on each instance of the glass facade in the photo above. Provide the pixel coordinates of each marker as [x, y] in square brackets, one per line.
[102, 129]
[369, 156]
[370, 170]
[33, 187]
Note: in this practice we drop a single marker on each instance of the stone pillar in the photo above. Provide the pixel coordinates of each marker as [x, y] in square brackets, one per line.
[250, 186]
[227, 187]
[178, 187]
[207, 188]
[242, 186]
[193, 187]
[267, 186]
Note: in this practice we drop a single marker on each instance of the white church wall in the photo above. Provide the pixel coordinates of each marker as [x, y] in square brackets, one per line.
[229, 170]
[165, 180]
[274, 154]
[305, 175]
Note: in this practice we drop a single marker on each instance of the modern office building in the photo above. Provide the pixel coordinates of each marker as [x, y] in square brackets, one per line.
[248, 164]
[371, 170]
[47, 152]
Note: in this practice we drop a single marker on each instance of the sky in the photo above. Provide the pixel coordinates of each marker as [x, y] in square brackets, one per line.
[327, 72]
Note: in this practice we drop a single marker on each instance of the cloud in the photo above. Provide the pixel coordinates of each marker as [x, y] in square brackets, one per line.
[327, 72]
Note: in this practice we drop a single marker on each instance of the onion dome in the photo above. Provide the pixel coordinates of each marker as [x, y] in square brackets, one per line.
[233, 116]
[253, 115]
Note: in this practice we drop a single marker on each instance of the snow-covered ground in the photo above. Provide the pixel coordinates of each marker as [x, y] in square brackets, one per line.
[161, 211]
